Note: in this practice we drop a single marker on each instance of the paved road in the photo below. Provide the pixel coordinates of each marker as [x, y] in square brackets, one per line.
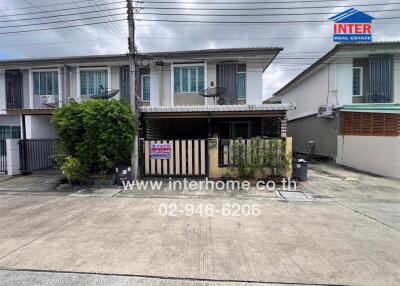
[347, 236]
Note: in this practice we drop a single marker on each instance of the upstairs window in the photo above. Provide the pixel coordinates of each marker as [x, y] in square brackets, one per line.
[145, 88]
[241, 85]
[10, 132]
[92, 81]
[45, 83]
[188, 79]
[357, 81]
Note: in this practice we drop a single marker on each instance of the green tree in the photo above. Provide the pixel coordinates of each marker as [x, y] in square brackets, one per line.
[97, 133]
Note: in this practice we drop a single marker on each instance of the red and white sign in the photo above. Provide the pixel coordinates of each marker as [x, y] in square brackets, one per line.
[161, 151]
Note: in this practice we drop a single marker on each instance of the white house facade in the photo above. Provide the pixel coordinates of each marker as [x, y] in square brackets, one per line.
[350, 95]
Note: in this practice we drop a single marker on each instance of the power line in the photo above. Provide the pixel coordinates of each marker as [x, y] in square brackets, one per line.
[111, 24]
[60, 21]
[256, 15]
[269, 8]
[244, 22]
[62, 27]
[60, 15]
[41, 6]
[238, 2]
[245, 39]
[185, 14]
[59, 10]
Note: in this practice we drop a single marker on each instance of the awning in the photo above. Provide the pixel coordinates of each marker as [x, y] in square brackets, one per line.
[389, 108]
[213, 111]
[44, 111]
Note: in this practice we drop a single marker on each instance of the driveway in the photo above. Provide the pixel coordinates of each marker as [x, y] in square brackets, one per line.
[347, 235]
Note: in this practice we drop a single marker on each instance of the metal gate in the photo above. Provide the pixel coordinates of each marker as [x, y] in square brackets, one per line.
[38, 155]
[187, 158]
[3, 157]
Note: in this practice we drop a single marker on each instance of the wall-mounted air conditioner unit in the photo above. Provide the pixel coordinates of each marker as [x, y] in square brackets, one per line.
[71, 100]
[326, 111]
[48, 99]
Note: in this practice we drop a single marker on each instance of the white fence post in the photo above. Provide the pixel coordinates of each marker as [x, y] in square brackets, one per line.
[13, 167]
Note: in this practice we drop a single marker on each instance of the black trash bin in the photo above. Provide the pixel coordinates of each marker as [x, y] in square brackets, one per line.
[123, 174]
[300, 169]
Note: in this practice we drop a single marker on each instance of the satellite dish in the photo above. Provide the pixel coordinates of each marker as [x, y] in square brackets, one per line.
[105, 94]
[213, 91]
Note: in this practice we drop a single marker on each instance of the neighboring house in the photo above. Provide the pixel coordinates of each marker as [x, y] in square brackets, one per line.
[365, 80]
[168, 85]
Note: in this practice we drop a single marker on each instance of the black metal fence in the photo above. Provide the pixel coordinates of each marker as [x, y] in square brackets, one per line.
[38, 155]
[3, 157]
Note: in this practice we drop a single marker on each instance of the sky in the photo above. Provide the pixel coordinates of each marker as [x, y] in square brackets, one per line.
[303, 43]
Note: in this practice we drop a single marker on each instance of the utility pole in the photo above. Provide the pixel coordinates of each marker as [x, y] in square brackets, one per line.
[132, 84]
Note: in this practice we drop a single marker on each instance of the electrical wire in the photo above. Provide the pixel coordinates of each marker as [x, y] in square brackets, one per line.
[60, 15]
[238, 2]
[61, 21]
[257, 15]
[62, 27]
[59, 10]
[269, 8]
[245, 22]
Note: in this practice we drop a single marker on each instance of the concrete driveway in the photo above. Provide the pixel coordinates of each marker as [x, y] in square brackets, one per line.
[348, 235]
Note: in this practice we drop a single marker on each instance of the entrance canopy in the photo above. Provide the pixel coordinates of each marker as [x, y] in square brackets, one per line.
[221, 121]
[215, 111]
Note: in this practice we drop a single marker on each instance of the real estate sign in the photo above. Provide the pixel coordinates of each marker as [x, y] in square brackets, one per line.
[161, 151]
[352, 26]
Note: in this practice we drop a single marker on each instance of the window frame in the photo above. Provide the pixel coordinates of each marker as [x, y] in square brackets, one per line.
[92, 69]
[361, 71]
[233, 125]
[245, 85]
[11, 131]
[189, 65]
[142, 87]
[52, 70]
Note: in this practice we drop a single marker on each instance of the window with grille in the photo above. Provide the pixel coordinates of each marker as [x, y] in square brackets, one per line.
[10, 132]
[146, 87]
[45, 83]
[357, 81]
[188, 79]
[92, 81]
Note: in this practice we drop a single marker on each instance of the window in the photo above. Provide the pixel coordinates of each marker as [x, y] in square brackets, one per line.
[92, 81]
[146, 87]
[240, 130]
[188, 79]
[45, 83]
[10, 132]
[357, 81]
[241, 85]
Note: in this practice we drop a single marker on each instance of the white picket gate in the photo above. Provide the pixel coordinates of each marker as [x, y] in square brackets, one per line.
[187, 158]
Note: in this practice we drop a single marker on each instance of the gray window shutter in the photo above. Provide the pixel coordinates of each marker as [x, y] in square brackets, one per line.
[380, 79]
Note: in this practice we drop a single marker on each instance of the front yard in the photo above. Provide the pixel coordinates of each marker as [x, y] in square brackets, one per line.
[347, 235]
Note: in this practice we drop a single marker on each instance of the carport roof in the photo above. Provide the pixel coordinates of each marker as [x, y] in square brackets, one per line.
[219, 108]
[208, 111]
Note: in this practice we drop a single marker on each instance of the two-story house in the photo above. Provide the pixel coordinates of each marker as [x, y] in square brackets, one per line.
[169, 88]
[348, 107]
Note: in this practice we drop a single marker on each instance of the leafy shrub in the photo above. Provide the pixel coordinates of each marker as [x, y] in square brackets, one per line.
[73, 169]
[262, 157]
[98, 133]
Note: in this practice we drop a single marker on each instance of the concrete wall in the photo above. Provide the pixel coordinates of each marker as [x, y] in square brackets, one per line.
[9, 120]
[375, 154]
[254, 83]
[323, 131]
[308, 94]
[39, 127]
